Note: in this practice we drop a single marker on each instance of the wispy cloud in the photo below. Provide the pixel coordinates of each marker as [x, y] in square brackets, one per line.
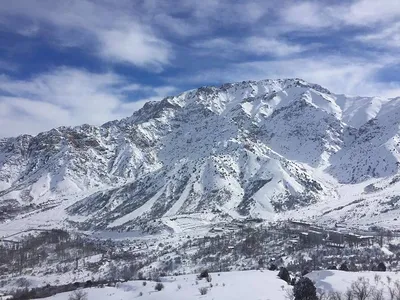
[256, 45]
[307, 15]
[68, 96]
[109, 29]
[387, 37]
[369, 12]
[8, 66]
[318, 15]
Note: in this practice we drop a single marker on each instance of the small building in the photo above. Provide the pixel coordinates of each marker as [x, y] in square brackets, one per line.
[311, 237]
[358, 240]
[315, 237]
[335, 237]
[216, 229]
[300, 225]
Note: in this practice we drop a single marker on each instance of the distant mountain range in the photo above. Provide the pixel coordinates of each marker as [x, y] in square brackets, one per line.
[270, 149]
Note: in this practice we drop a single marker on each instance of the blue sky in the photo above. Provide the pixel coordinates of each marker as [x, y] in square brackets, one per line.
[79, 61]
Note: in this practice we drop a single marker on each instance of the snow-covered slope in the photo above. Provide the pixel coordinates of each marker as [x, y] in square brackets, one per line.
[252, 285]
[269, 149]
[231, 285]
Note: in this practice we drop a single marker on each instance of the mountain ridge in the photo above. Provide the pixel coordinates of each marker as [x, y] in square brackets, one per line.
[270, 149]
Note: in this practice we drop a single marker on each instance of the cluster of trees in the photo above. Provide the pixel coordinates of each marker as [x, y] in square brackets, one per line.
[46, 247]
[256, 247]
[361, 289]
[246, 248]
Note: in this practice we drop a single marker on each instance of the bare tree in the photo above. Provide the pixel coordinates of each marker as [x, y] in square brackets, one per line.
[361, 289]
[335, 296]
[377, 295]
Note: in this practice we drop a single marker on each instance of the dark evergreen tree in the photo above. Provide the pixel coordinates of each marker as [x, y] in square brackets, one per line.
[293, 281]
[344, 267]
[305, 289]
[284, 274]
[203, 274]
[305, 272]
[381, 267]
[272, 267]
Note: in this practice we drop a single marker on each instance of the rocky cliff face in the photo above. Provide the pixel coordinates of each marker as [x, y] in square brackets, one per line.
[259, 149]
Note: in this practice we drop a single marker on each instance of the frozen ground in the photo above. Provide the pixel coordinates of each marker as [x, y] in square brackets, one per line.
[340, 281]
[250, 285]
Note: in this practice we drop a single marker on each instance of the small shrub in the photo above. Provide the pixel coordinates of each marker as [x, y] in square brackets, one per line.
[159, 286]
[78, 295]
[144, 283]
[203, 290]
[179, 286]
[140, 294]
[203, 274]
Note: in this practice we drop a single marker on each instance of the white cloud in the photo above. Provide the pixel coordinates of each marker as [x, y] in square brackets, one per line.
[316, 15]
[136, 45]
[117, 33]
[255, 45]
[273, 46]
[305, 14]
[367, 12]
[178, 26]
[206, 15]
[67, 96]
[386, 38]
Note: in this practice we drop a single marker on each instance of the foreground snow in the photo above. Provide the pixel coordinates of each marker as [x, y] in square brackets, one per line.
[340, 281]
[250, 285]
[233, 285]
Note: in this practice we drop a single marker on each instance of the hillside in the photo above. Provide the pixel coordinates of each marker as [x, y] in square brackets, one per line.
[272, 149]
[250, 285]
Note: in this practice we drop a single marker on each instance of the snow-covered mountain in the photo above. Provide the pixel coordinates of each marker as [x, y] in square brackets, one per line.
[269, 149]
